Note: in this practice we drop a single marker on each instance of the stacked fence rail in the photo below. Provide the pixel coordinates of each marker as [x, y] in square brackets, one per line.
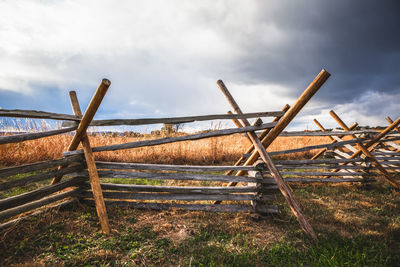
[251, 185]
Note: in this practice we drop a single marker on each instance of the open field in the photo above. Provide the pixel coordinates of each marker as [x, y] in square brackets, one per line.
[209, 151]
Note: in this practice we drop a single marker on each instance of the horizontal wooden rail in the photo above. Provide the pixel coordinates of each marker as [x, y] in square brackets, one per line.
[31, 136]
[39, 166]
[35, 114]
[181, 196]
[395, 168]
[176, 120]
[303, 180]
[168, 140]
[58, 206]
[388, 157]
[18, 200]
[39, 177]
[180, 176]
[37, 204]
[386, 153]
[317, 161]
[332, 133]
[188, 168]
[165, 167]
[301, 167]
[330, 146]
[299, 173]
[191, 207]
[186, 189]
[395, 162]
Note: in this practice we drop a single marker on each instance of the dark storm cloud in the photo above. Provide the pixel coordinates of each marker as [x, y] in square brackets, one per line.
[358, 42]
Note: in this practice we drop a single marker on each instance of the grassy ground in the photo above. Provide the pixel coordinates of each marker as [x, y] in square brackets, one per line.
[355, 226]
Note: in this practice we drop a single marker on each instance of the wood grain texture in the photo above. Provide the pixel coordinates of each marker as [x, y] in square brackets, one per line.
[39, 177]
[31, 136]
[290, 114]
[259, 147]
[18, 200]
[185, 189]
[328, 146]
[35, 114]
[325, 180]
[178, 197]
[366, 152]
[176, 120]
[323, 150]
[168, 140]
[178, 176]
[317, 161]
[166, 167]
[89, 114]
[251, 147]
[39, 166]
[331, 133]
[90, 162]
[37, 204]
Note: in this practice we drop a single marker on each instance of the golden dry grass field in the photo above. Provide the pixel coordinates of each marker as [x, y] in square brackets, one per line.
[209, 151]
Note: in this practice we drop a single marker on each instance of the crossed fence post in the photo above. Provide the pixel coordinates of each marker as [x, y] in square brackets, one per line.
[322, 151]
[260, 146]
[364, 149]
[393, 145]
[81, 137]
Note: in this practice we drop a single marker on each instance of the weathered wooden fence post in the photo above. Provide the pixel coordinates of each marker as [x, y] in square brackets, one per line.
[291, 114]
[81, 137]
[330, 137]
[274, 171]
[93, 175]
[366, 152]
[87, 118]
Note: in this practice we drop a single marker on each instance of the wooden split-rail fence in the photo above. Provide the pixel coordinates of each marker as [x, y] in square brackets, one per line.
[250, 185]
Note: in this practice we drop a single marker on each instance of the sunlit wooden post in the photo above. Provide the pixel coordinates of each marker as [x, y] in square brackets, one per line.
[87, 118]
[390, 121]
[272, 168]
[238, 124]
[312, 88]
[322, 151]
[93, 175]
[395, 145]
[251, 147]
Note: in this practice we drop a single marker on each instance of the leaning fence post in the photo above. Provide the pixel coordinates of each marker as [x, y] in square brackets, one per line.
[251, 147]
[271, 166]
[87, 118]
[367, 173]
[330, 137]
[366, 152]
[312, 88]
[93, 175]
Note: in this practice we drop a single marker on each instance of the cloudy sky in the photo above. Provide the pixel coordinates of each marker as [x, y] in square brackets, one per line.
[164, 57]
